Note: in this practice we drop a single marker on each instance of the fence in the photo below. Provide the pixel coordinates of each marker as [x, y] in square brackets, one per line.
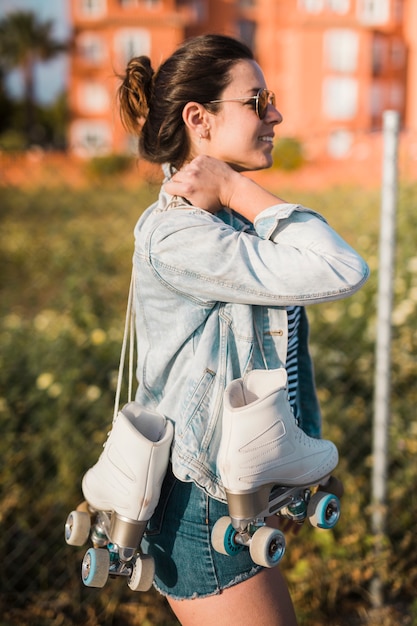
[65, 274]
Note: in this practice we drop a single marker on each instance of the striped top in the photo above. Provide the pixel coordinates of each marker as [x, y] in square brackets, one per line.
[291, 365]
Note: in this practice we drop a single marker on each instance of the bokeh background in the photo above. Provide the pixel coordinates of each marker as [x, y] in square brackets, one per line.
[65, 255]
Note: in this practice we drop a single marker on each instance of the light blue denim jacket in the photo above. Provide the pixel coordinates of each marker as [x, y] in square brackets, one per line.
[207, 289]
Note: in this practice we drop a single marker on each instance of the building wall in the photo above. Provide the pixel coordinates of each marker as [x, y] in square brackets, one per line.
[106, 34]
[410, 24]
[323, 69]
[335, 65]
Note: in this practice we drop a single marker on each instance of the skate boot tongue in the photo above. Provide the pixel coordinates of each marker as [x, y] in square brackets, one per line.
[255, 385]
[260, 383]
[152, 424]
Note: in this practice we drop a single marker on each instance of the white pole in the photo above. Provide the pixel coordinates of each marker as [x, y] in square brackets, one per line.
[382, 383]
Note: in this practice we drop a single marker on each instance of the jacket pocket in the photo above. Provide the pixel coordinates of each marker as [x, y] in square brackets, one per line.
[196, 410]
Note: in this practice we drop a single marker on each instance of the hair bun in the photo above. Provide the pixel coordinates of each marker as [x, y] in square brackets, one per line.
[135, 93]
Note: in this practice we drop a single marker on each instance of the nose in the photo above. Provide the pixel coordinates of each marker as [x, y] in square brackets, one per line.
[274, 115]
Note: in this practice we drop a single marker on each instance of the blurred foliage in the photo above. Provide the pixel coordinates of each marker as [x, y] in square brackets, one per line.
[25, 39]
[66, 259]
[103, 167]
[288, 154]
[12, 141]
[6, 104]
[49, 125]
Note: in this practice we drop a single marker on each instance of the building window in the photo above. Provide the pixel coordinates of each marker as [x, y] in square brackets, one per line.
[93, 98]
[132, 42]
[92, 8]
[339, 6]
[246, 30]
[397, 54]
[91, 48]
[341, 48]
[373, 11]
[195, 9]
[311, 6]
[90, 138]
[396, 96]
[398, 10]
[340, 97]
[379, 54]
[376, 100]
[339, 143]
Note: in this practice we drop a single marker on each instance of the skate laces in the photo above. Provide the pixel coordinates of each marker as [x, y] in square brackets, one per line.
[261, 348]
[128, 334]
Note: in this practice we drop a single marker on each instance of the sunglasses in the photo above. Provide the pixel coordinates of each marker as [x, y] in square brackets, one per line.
[263, 98]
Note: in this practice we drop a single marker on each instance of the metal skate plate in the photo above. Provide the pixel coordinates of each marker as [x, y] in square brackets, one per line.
[257, 505]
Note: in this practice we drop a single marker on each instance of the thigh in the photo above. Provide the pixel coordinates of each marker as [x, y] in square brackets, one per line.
[264, 598]
[179, 539]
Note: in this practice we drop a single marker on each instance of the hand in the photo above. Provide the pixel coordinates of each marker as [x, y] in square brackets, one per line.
[211, 184]
[205, 182]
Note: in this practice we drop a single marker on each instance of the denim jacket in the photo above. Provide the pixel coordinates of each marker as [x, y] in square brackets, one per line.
[208, 289]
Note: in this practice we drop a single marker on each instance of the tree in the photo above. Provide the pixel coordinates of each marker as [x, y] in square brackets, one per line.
[23, 41]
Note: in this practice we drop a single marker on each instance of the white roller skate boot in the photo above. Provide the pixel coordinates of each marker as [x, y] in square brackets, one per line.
[266, 462]
[122, 491]
[128, 476]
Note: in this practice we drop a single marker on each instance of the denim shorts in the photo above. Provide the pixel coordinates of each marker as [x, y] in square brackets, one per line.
[178, 538]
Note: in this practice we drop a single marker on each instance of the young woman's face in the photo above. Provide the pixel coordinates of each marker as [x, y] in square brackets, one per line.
[237, 135]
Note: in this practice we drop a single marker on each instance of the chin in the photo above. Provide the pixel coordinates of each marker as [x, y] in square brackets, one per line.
[252, 167]
[262, 167]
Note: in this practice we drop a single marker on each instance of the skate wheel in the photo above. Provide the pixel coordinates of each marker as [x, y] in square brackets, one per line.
[223, 537]
[95, 567]
[323, 510]
[77, 528]
[267, 546]
[143, 573]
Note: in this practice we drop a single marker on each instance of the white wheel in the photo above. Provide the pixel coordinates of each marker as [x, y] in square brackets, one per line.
[267, 546]
[222, 537]
[143, 573]
[323, 510]
[77, 528]
[95, 567]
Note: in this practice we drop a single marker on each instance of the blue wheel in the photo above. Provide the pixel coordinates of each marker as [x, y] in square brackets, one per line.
[223, 537]
[323, 510]
[95, 567]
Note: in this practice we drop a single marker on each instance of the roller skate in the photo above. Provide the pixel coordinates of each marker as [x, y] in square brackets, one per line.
[121, 493]
[268, 466]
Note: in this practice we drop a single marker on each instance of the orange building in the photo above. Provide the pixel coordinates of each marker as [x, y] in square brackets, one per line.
[335, 65]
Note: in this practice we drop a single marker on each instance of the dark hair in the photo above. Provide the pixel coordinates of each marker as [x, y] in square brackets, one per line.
[151, 103]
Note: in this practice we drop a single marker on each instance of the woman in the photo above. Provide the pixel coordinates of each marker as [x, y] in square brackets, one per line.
[223, 268]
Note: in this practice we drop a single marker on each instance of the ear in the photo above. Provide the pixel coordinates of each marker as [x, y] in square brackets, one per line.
[196, 119]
